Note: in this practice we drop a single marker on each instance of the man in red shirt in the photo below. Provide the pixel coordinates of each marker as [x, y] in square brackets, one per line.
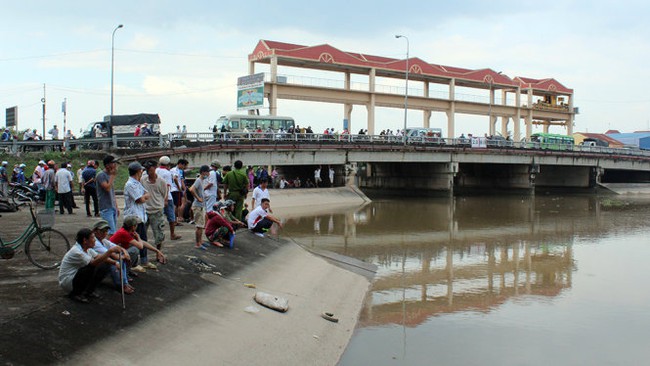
[128, 238]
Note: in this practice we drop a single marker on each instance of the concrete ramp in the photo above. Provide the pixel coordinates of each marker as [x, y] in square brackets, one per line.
[626, 188]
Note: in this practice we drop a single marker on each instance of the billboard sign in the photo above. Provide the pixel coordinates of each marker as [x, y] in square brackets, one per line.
[250, 92]
[11, 116]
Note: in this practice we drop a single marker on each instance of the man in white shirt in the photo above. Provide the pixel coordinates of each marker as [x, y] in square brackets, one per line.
[317, 178]
[82, 269]
[260, 192]
[54, 131]
[63, 186]
[259, 220]
[170, 210]
[211, 189]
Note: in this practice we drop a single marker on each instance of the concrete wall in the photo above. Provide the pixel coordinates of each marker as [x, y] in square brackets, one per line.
[564, 177]
[416, 177]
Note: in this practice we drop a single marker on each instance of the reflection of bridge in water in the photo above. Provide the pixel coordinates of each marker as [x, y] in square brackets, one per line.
[457, 255]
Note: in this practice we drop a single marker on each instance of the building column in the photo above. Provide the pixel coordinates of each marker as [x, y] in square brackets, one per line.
[251, 71]
[504, 119]
[569, 128]
[426, 114]
[451, 113]
[371, 105]
[529, 115]
[273, 98]
[492, 118]
[517, 127]
[347, 107]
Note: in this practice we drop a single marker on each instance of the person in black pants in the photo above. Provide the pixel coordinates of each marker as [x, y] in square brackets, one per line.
[82, 269]
[90, 188]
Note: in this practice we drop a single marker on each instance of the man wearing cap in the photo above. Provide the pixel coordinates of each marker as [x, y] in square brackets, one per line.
[89, 187]
[102, 245]
[212, 186]
[63, 185]
[198, 205]
[228, 209]
[135, 198]
[156, 203]
[48, 185]
[106, 193]
[128, 238]
[4, 178]
[169, 208]
[6, 136]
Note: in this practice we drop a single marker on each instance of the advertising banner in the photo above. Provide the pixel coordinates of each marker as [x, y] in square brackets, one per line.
[250, 92]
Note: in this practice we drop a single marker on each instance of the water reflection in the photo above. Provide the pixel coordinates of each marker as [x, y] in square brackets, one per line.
[440, 256]
[444, 258]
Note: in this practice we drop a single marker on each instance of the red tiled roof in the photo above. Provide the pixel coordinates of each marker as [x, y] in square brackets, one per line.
[327, 54]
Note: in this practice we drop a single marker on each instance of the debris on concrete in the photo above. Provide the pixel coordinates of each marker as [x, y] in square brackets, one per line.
[272, 302]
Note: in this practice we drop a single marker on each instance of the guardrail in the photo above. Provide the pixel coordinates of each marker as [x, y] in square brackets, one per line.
[175, 140]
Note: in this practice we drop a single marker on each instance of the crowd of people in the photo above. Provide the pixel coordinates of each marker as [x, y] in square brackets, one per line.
[156, 194]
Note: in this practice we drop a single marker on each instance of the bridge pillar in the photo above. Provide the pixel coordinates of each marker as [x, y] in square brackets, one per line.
[426, 114]
[273, 97]
[529, 114]
[517, 122]
[371, 106]
[347, 107]
[451, 113]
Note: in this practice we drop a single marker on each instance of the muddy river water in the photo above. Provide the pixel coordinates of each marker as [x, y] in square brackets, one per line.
[546, 280]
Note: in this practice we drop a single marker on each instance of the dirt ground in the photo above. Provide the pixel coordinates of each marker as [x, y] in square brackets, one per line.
[40, 325]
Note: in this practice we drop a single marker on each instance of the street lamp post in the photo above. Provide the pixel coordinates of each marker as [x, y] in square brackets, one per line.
[406, 94]
[113, 63]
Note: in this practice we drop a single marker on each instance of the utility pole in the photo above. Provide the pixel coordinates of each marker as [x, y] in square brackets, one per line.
[43, 101]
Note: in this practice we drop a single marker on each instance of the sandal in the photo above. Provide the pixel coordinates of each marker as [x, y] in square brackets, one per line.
[176, 237]
[129, 289]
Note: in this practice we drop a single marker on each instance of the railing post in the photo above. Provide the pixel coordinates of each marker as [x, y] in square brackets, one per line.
[115, 142]
[160, 140]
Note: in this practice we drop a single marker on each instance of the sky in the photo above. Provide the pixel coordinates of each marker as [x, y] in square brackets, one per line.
[182, 59]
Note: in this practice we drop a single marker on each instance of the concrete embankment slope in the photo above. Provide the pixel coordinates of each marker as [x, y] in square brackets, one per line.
[627, 188]
[296, 202]
[222, 325]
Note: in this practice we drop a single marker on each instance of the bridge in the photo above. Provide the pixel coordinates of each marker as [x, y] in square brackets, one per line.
[432, 165]
[435, 166]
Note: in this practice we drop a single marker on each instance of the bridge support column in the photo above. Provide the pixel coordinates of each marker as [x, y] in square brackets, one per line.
[451, 114]
[451, 123]
[371, 105]
[273, 97]
[529, 115]
[426, 119]
[426, 114]
[517, 122]
[347, 107]
[504, 126]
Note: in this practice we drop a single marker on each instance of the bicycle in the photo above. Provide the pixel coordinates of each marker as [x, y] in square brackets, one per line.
[44, 246]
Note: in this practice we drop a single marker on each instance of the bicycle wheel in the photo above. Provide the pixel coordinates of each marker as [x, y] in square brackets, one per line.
[46, 248]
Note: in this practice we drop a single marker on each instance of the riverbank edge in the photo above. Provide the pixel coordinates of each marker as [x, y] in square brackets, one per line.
[58, 330]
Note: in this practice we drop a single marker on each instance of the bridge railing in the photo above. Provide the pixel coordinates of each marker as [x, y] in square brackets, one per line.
[196, 139]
